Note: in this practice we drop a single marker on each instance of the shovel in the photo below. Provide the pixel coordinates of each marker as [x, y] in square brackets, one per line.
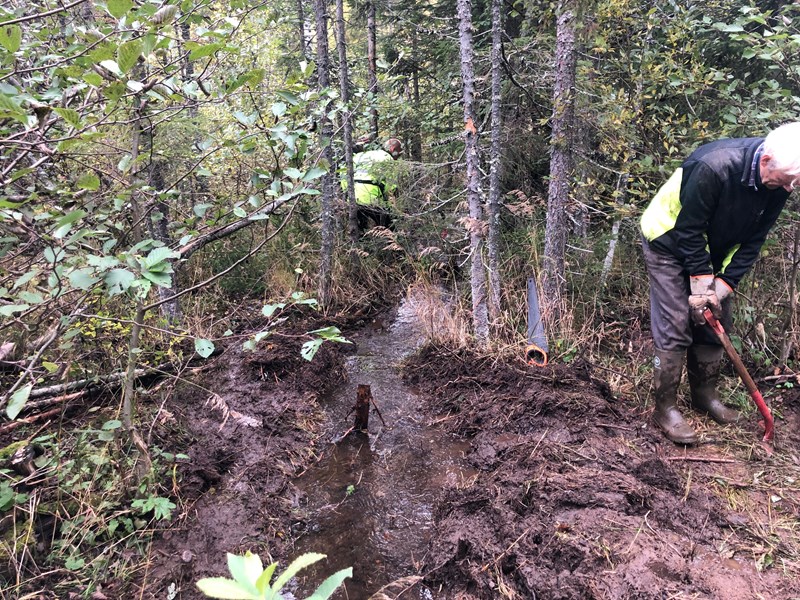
[768, 423]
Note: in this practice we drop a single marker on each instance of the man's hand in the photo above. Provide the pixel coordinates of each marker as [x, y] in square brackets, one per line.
[703, 295]
[722, 289]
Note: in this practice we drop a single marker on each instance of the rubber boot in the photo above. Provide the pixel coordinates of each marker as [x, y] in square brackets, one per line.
[667, 368]
[703, 365]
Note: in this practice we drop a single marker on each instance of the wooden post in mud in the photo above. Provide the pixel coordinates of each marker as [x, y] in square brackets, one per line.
[363, 400]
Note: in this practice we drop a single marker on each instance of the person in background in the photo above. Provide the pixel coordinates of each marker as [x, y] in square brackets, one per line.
[373, 189]
[701, 233]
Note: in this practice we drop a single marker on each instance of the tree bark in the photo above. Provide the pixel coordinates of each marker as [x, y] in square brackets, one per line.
[372, 68]
[305, 43]
[496, 164]
[326, 132]
[347, 124]
[475, 223]
[561, 163]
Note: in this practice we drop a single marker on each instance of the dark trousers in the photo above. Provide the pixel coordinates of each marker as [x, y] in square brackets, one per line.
[368, 215]
[670, 319]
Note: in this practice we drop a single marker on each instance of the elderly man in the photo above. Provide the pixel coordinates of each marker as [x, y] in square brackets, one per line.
[701, 233]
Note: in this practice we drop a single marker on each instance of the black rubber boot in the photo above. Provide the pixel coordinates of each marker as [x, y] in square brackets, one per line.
[667, 368]
[703, 365]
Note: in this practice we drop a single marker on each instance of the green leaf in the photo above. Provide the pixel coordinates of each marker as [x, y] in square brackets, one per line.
[278, 109]
[118, 281]
[157, 256]
[298, 564]
[313, 173]
[18, 400]
[83, 278]
[225, 589]
[204, 348]
[328, 587]
[289, 97]
[69, 115]
[92, 78]
[160, 279]
[11, 37]
[246, 570]
[112, 424]
[7, 105]
[6, 310]
[164, 14]
[293, 173]
[128, 54]
[124, 164]
[330, 333]
[200, 209]
[262, 583]
[118, 8]
[203, 51]
[269, 309]
[112, 66]
[23, 279]
[88, 181]
[74, 563]
[309, 349]
[240, 212]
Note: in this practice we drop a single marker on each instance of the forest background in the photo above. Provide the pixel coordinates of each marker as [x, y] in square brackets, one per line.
[170, 169]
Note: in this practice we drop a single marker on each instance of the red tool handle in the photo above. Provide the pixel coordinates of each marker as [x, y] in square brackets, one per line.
[769, 422]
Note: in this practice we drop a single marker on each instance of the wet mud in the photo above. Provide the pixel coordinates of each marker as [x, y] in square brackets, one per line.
[487, 480]
[578, 497]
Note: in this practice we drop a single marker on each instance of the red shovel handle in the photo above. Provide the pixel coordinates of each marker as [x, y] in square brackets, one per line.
[741, 370]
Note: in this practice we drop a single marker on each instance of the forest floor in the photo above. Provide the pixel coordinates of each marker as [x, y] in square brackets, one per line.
[488, 479]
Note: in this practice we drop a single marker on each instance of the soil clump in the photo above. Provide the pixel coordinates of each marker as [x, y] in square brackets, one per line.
[578, 497]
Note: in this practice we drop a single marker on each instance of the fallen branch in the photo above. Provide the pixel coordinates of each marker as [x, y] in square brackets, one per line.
[710, 459]
[98, 381]
[30, 406]
[32, 419]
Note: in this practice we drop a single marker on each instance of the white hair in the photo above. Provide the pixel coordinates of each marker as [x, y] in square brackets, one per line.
[782, 145]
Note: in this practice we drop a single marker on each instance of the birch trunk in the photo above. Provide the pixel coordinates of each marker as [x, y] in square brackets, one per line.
[496, 163]
[476, 225]
[561, 164]
[326, 131]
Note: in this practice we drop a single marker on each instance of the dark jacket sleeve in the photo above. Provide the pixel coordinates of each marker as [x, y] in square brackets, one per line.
[700, 195]
[747, 253]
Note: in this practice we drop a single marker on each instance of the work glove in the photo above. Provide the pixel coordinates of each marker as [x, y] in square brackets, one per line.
[703, 295]
[722, 289]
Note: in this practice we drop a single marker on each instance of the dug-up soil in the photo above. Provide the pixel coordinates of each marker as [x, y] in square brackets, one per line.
[578, 498]
[573, 495]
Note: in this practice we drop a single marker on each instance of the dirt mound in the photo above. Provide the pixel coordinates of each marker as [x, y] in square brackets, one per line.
[249, 426]
[576, 497]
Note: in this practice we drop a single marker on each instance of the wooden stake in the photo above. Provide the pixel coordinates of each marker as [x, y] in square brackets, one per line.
[363, 400]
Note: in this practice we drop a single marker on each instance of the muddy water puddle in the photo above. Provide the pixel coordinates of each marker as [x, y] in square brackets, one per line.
[369, 499]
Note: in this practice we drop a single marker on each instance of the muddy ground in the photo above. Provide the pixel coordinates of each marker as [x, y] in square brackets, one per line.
[578, 497]
[569, 492]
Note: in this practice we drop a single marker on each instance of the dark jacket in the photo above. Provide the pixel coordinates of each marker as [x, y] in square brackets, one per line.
[714, 212]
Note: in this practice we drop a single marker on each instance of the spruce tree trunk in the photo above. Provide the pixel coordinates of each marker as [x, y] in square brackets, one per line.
[347, 124]
[561, 163]
[476, 225]
[372, 67]
[326, 156]
[496, 163]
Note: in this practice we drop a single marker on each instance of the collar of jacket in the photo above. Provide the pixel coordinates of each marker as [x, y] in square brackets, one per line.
[750, 175]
